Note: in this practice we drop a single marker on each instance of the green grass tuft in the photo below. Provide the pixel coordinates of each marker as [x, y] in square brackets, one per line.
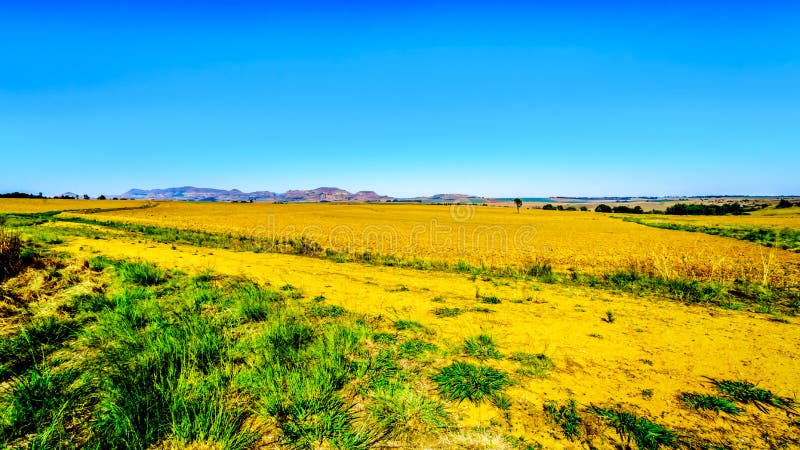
[448, 312]
[536, 365]
[746, 392]
[327, 311]
[413, 348]
[709, 402]
[482, 347]
[142, 273]
[646, 434]
[565, 416]
[463, 381]
[409, 325]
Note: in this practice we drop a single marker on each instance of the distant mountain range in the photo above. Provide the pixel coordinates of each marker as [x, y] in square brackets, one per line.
[322, 194]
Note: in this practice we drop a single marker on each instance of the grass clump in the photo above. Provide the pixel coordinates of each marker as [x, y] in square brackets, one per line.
[482, 347]
[289, 291]
[543, 271]
[142, 273]
[253, 302]
[408, 325]
[565, 416]
[646, 434]
[536, 365]
[384, 338]
[746, 392]
[492, 300]
[36, 404]
[413, 348]
[463, 381]
[327, 311]
[36, 339]
[406, 413]
[709, 402]
[448, 312]
[11, 248]
[99, 263]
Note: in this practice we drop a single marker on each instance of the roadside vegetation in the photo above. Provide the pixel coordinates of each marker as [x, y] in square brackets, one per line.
[783, 238]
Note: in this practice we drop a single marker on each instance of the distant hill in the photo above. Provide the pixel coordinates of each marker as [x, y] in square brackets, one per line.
[190, 193]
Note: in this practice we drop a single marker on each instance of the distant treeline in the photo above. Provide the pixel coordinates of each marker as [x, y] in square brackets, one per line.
[684, 209]
[58, 197]
[621, 209]
[20, 195]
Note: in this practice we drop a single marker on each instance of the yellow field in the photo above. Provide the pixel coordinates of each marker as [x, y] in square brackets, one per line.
[784, 218]
[583, 241]
[657, 346]
[25, 205]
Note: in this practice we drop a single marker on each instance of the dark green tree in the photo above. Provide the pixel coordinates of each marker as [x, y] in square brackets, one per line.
[518, 202]
[603, 208]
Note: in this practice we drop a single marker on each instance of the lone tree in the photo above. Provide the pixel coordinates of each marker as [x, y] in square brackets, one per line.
[603, 208]
[518, 202]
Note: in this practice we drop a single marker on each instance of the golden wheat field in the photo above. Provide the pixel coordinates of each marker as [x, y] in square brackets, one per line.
[606, 348]
[583, 241]
[17, 205]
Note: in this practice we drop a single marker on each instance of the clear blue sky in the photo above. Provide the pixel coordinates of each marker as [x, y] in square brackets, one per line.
[405, 98]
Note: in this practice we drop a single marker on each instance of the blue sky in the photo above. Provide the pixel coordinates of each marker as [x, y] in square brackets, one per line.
[405, 98]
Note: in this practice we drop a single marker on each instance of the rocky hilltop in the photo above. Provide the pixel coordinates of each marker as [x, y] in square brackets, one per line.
[321, 194]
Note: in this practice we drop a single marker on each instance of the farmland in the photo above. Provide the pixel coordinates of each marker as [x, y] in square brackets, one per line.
[169, 324]
[484, 236]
